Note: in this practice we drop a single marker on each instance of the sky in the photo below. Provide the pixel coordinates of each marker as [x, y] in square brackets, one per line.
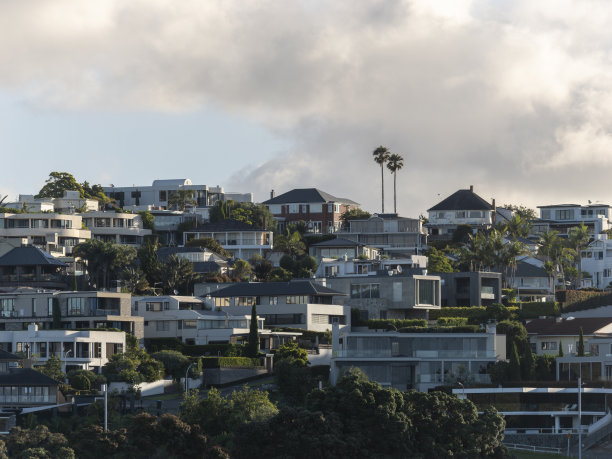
[512, 97]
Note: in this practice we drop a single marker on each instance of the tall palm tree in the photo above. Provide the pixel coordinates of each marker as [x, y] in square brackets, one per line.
[579, 239]
[394, 164]
[381, 156]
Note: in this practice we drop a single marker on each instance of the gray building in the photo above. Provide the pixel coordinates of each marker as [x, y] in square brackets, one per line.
[389, 294]
[470, 288]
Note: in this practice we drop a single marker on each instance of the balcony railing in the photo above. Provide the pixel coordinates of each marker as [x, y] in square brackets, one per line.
[418, 354]
[27, 399]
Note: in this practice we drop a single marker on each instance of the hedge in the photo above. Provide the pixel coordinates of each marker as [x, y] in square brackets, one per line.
[163, 344]
[388, 324]
[533, 310]
[451, 321]
[461, 329]
[579, 300]
[230, 362]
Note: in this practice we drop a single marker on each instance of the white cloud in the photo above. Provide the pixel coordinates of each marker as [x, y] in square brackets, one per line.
[511, 96]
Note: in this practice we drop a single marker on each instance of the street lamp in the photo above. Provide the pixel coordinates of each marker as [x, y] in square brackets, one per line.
[186, 373]
[579, 418]
[104, 388]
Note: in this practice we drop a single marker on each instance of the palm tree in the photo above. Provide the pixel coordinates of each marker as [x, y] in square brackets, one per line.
[381, 156]
[394, 164]
[579, 238]
[181, 199]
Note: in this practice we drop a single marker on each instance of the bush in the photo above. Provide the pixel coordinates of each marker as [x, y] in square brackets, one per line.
[77, 378]
[533, 310]
[579, 300]
[230, 362]
[226, 350]
[461, 329]
[476, 314]
[387, 324]
[80, 382]
[162, 344]
[451, 321]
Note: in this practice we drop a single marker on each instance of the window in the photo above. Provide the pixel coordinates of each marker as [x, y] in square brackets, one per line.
[97, 350]
[549, 345]
[297, 299]
[33, 307]
[273, 300]
[316, 227]
[162, 196]
[545, 214]
[601, 212]
[586, 212]
[157, 306]
[222, 302]
[245, 301]
[365, 290]
[304, 208]
[564, 214]
[598, 255]
[330, 208]
[362, 269]
[337, 208]
[476, 214]
[607, 272]
[427, 291]
[49, 306]
[294, 208]
[162, 325]
[7, 307]
[187, 324]
[76, 306]
[460, 214]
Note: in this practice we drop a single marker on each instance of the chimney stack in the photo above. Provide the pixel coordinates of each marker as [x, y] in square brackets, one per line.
[272, 194]
[472, 188]
[494, 214]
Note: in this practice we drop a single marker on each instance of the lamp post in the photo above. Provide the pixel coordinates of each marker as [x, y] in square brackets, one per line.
[579, 418]
[104, 388]
[186, 373]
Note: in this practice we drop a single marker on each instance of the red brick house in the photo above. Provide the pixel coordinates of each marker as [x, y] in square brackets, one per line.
[319, 210]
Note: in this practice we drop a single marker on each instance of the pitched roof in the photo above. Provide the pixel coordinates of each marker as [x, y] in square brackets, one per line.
[462, 200]
[567, 327]
[26, 376]
[4, 355]
[337, 242]
[225, 225]
[29, 256]
[524, 269]
[305, 195]
[301, 287]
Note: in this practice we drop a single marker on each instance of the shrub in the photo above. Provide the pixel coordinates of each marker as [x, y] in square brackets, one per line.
[579, 300]
[226, 350]
[163, 344]
[230, 362]
[451, 321]
[533, 310]
[388, 324]
[461, 329]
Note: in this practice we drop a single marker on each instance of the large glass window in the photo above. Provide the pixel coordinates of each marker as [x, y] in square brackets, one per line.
[365, 290]
[7, 307]
[427, 291]
[76, 306]
[222, 302]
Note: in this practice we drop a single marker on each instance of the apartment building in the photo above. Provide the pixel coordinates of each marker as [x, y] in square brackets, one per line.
[562, 217]
[116, 227]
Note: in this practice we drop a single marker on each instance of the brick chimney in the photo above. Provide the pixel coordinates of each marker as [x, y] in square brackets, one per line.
[472, 188]
[272, 194]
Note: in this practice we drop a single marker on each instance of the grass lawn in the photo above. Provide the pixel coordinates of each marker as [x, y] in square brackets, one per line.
[531, 455]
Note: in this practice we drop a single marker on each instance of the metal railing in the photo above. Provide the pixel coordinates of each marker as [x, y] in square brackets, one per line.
[535, 449]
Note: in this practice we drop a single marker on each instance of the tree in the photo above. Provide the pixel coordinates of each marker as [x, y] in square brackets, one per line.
[149, 262]
[148, 220]
[291, 351]
[560, 354]
[210, 244]
[134, 281]
[381, 156]
[579, 238]
[53, 369]
[261, 267]
[174, 362]
[177, 275]
[438, 262]
[242, 270]
[104, 259]
[257, 215]
[580, 346]
[527, 365]
[280, 275]
[292, 245]
[514, 370]
[38, 442]
[181, 199]
[394, 164]
[354, 214]
[524, 212]
[253, 346]
[57, 183]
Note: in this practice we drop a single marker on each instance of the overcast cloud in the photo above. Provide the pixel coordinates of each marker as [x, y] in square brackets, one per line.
[514, 97]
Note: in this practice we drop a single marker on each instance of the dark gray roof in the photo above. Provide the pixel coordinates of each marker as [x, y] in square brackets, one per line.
[337, 242]
[567, 327]
[301, 287]
[528, 270]
[29, 256]
[225, 225]
[24, 377]
[306, 195]
[8, 356]
[462, 200]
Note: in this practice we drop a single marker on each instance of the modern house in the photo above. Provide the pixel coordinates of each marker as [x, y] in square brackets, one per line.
[595, 365]
[78, 310]
[345, 267]
[341, 248]
[474, 288]
[116, 227]
[532, 282]
[167, 224]
[546, 335]
[157, 195]
[188, 319]
[562, 217]
[52, 232]
[597, 260]
[297, 304]
[29, 266]
[463, 207]
[389, 294]
[319, 210]
[78, 349]
[397, 237]
[240, 239]
[69, 203]
[418, 361]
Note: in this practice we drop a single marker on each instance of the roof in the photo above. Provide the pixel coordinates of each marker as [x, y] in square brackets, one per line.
[8, 356]
[337, 242]
[567, 327]
[462, 200]
[304, 195]
[524, 269]
[302, 287]
[224, 225]
[171, 182]
[29, 256]
[26, 376]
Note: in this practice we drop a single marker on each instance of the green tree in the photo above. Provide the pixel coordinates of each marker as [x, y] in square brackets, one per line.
[514, 370]
[261, 267]
[53, 369]
[181, 199]
[175, 363]
[291, 351]
[280, 275]
[177, 274]
[354, 214]
[210, 244]
[242, 270]
[38, 442]
[134, 281]
[253, 346]
[104, 259]
[438, 262]
[579, 238]
[292, 245]
[528, 365]
[148, 220]
[381, 156]
[524, 212]
[560, 354]
[149, 262]
[580, 346]
[57, 183]
[57, 314]
[394, 164]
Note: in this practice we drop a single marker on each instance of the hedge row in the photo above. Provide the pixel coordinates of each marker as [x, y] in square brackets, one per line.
[175, 344]
[230, 362]
[389, 324]
[451, 321]
[533, 310]
[481, 314]
[579, 300]
[461, 329]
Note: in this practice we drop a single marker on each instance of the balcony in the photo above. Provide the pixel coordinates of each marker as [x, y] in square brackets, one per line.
[415, 354]
[487, 293]
[27, 399]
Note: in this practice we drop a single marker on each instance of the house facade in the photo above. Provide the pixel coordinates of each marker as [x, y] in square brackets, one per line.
[341, 267]
[240, 239]
[116, 227]
[562, 217]
[472, 288]
[341, 248]
[597, 261]
[463, 207]
[28, 266]
[418, 361]
[321, 211]
[397, 237]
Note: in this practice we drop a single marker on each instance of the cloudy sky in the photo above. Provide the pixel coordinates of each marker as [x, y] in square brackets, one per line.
[513, 97]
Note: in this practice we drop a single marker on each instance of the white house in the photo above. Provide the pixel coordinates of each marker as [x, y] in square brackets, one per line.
[116, 227]
[562, 217]
[597, 260]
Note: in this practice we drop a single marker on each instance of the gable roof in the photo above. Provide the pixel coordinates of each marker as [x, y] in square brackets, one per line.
[462, 200]
[567, 327]
[4, 355]
[302, 287]
[29, 256]
[26, 376]
[337, 242]
[524, 269]
[225, 225]
[306, 195]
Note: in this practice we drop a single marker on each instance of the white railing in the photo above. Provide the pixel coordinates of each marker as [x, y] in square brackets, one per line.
[535, 449]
